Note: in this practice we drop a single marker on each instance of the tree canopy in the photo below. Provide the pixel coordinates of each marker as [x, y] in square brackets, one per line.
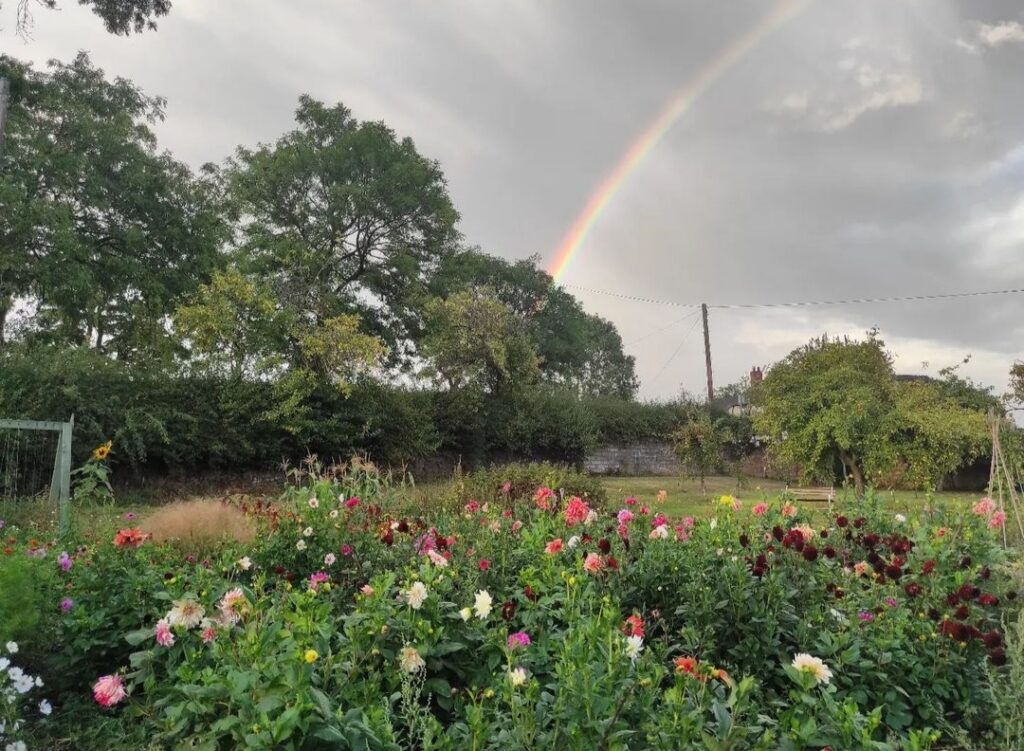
[578, 350]
[837, 403]
[119, 16]
[342, 216]
[100, 234]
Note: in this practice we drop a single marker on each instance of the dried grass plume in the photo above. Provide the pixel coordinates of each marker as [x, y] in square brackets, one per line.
[199, 524]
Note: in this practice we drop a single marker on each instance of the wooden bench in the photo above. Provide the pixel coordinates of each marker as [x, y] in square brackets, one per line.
[823, 494]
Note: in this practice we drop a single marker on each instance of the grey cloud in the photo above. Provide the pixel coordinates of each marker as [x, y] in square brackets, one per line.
[865, 149]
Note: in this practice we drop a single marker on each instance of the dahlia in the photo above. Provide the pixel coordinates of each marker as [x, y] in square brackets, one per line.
[814, 666]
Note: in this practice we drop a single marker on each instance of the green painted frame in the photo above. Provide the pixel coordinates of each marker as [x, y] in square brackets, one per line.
[60, 481]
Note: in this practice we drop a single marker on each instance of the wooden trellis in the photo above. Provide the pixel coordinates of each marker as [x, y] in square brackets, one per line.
[1004, 480]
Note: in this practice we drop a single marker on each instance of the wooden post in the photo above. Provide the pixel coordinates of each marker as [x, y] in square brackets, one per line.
[64, 509]
[707, 352]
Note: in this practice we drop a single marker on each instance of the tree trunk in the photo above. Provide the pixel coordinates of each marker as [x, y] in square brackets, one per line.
[854, 469]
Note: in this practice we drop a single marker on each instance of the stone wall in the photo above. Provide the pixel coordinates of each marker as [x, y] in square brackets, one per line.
[651, 458]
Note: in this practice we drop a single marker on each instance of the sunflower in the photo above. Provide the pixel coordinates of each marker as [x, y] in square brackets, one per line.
[102, 452]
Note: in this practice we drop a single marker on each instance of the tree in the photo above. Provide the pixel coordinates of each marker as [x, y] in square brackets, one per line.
[119, 16]
[829, 402]
[577, 350]
[235, 327]
[474, 340]
[1017, 383]
[99, 233]
[700, 444]
[934, 435]
[838, 402]
[343, 217]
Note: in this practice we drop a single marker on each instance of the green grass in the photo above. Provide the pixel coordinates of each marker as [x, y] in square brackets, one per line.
[685, 496]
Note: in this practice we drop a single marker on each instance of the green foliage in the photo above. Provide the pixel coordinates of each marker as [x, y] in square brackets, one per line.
[90, 483]
[340, 210]
[515, 484]
[474, 341]
[701, 444]
[314, 637]
[837, 403]
[21, 597]
[119, 16]
[935, 435]
[104, 259]
[829, 402]
[577, 350]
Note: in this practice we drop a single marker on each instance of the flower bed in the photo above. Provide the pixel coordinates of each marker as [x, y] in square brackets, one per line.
[354, 622]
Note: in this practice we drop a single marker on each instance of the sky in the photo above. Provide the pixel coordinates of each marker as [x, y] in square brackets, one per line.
[859, 149]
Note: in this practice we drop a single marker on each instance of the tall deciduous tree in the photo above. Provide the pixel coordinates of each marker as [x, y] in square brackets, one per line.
[343, 217]
[100, 234]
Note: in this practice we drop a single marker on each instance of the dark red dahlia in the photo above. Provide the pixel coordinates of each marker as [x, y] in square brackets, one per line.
[777, 533]
[604, 546]
[997, 657]
[988, 600]
[745, 541]
[403, 527]
[611, 563]
[928, 567]
[824, 534]
[810, 553]
[913, 589]
[859, 522]
[529, 594]
[829, 551]
[894, 572]
[965, 562]
[986, 573]
[962, 613]
[842, 521]
[508, 610]
[992, 639]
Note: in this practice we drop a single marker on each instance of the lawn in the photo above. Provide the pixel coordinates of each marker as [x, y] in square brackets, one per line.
[685, 496]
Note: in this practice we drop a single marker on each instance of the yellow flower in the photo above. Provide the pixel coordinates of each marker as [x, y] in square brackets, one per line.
[310, 656]
[102, 452]
[726, 500]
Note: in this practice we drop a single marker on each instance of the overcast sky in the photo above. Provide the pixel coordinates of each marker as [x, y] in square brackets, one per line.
[864, 149]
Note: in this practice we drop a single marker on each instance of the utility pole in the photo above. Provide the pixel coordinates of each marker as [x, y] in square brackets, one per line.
[4, 89]
[707, 352]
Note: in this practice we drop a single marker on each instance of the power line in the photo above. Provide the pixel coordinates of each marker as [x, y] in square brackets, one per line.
[676, 352]
[802, 303]
[658, 331]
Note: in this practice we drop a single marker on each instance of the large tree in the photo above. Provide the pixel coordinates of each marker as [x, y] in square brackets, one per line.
[100, 234]
[342, 216]
[576, 349]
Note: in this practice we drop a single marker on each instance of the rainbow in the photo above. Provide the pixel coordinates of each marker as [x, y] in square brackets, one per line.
[678, 105]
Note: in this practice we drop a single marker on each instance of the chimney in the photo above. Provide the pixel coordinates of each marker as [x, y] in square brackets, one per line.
[756, 375]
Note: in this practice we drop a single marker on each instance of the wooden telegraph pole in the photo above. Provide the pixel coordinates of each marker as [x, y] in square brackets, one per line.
[707, 352]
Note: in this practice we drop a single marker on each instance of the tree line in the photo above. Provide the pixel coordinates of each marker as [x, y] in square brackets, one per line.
[305, 268]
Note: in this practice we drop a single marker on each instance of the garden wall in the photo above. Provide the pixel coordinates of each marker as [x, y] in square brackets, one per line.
[643, 458]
